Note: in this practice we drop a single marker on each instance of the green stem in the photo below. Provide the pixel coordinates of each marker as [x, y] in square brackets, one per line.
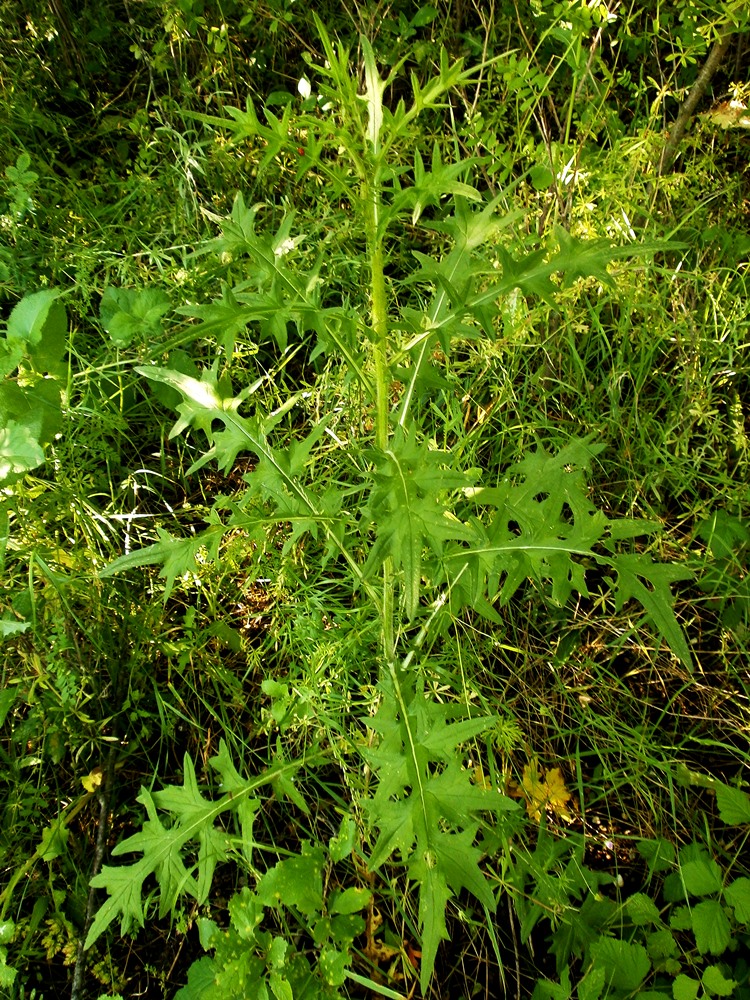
[378, 319]
[379, 324]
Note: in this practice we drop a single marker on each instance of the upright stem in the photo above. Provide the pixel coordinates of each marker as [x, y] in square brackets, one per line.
[378, 317]
[379, 324]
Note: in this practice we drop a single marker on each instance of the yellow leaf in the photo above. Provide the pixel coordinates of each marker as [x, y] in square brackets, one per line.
[543, 792]
[557, 794]
[92, 781]
[479, 778]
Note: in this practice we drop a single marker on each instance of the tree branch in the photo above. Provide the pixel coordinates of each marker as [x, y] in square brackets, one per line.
[715, 56]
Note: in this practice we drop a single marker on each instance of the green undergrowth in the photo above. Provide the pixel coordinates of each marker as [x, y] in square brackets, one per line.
[374, 526]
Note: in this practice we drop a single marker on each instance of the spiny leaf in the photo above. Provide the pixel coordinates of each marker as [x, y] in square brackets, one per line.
[407, 508]
[649, 583]
[373, 95]
[433, 897]
[165, 848]
[416, 800]
[177, 556]
[276, 296]
[544, 524]
[582, 258]
[430, 186]
[546, 529]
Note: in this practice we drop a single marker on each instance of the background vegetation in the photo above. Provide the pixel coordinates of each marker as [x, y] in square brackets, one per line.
[374, 505]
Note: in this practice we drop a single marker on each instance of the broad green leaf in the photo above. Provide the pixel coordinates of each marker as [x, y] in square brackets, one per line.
[592, 984]
[661, 944]
[35, 405]
[129, 312]
[280, 987]
[733, 803]
[20, 173]
[349, 901]
[659, 854]
[20, 450]
[201, 982]
[7, 973]
[40, 322]
[641, 909]
[295, 882]
[737, 894]
[680, 918]
[697, 876]
[8, 627]
[716, 983]
[11, 355]
[246, 912]
[685, 988]
[701, 877]
[723, 533]
[8, 694]
[546, 990]
[625, 964]
[54, 841]
[332, 965]
[342, 844]
[711, 927]
[277, 952]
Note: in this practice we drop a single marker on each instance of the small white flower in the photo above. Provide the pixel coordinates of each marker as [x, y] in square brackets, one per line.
[284, 247]
[304, 88]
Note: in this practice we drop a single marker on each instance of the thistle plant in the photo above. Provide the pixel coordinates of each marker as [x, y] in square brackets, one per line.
[415, 535]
